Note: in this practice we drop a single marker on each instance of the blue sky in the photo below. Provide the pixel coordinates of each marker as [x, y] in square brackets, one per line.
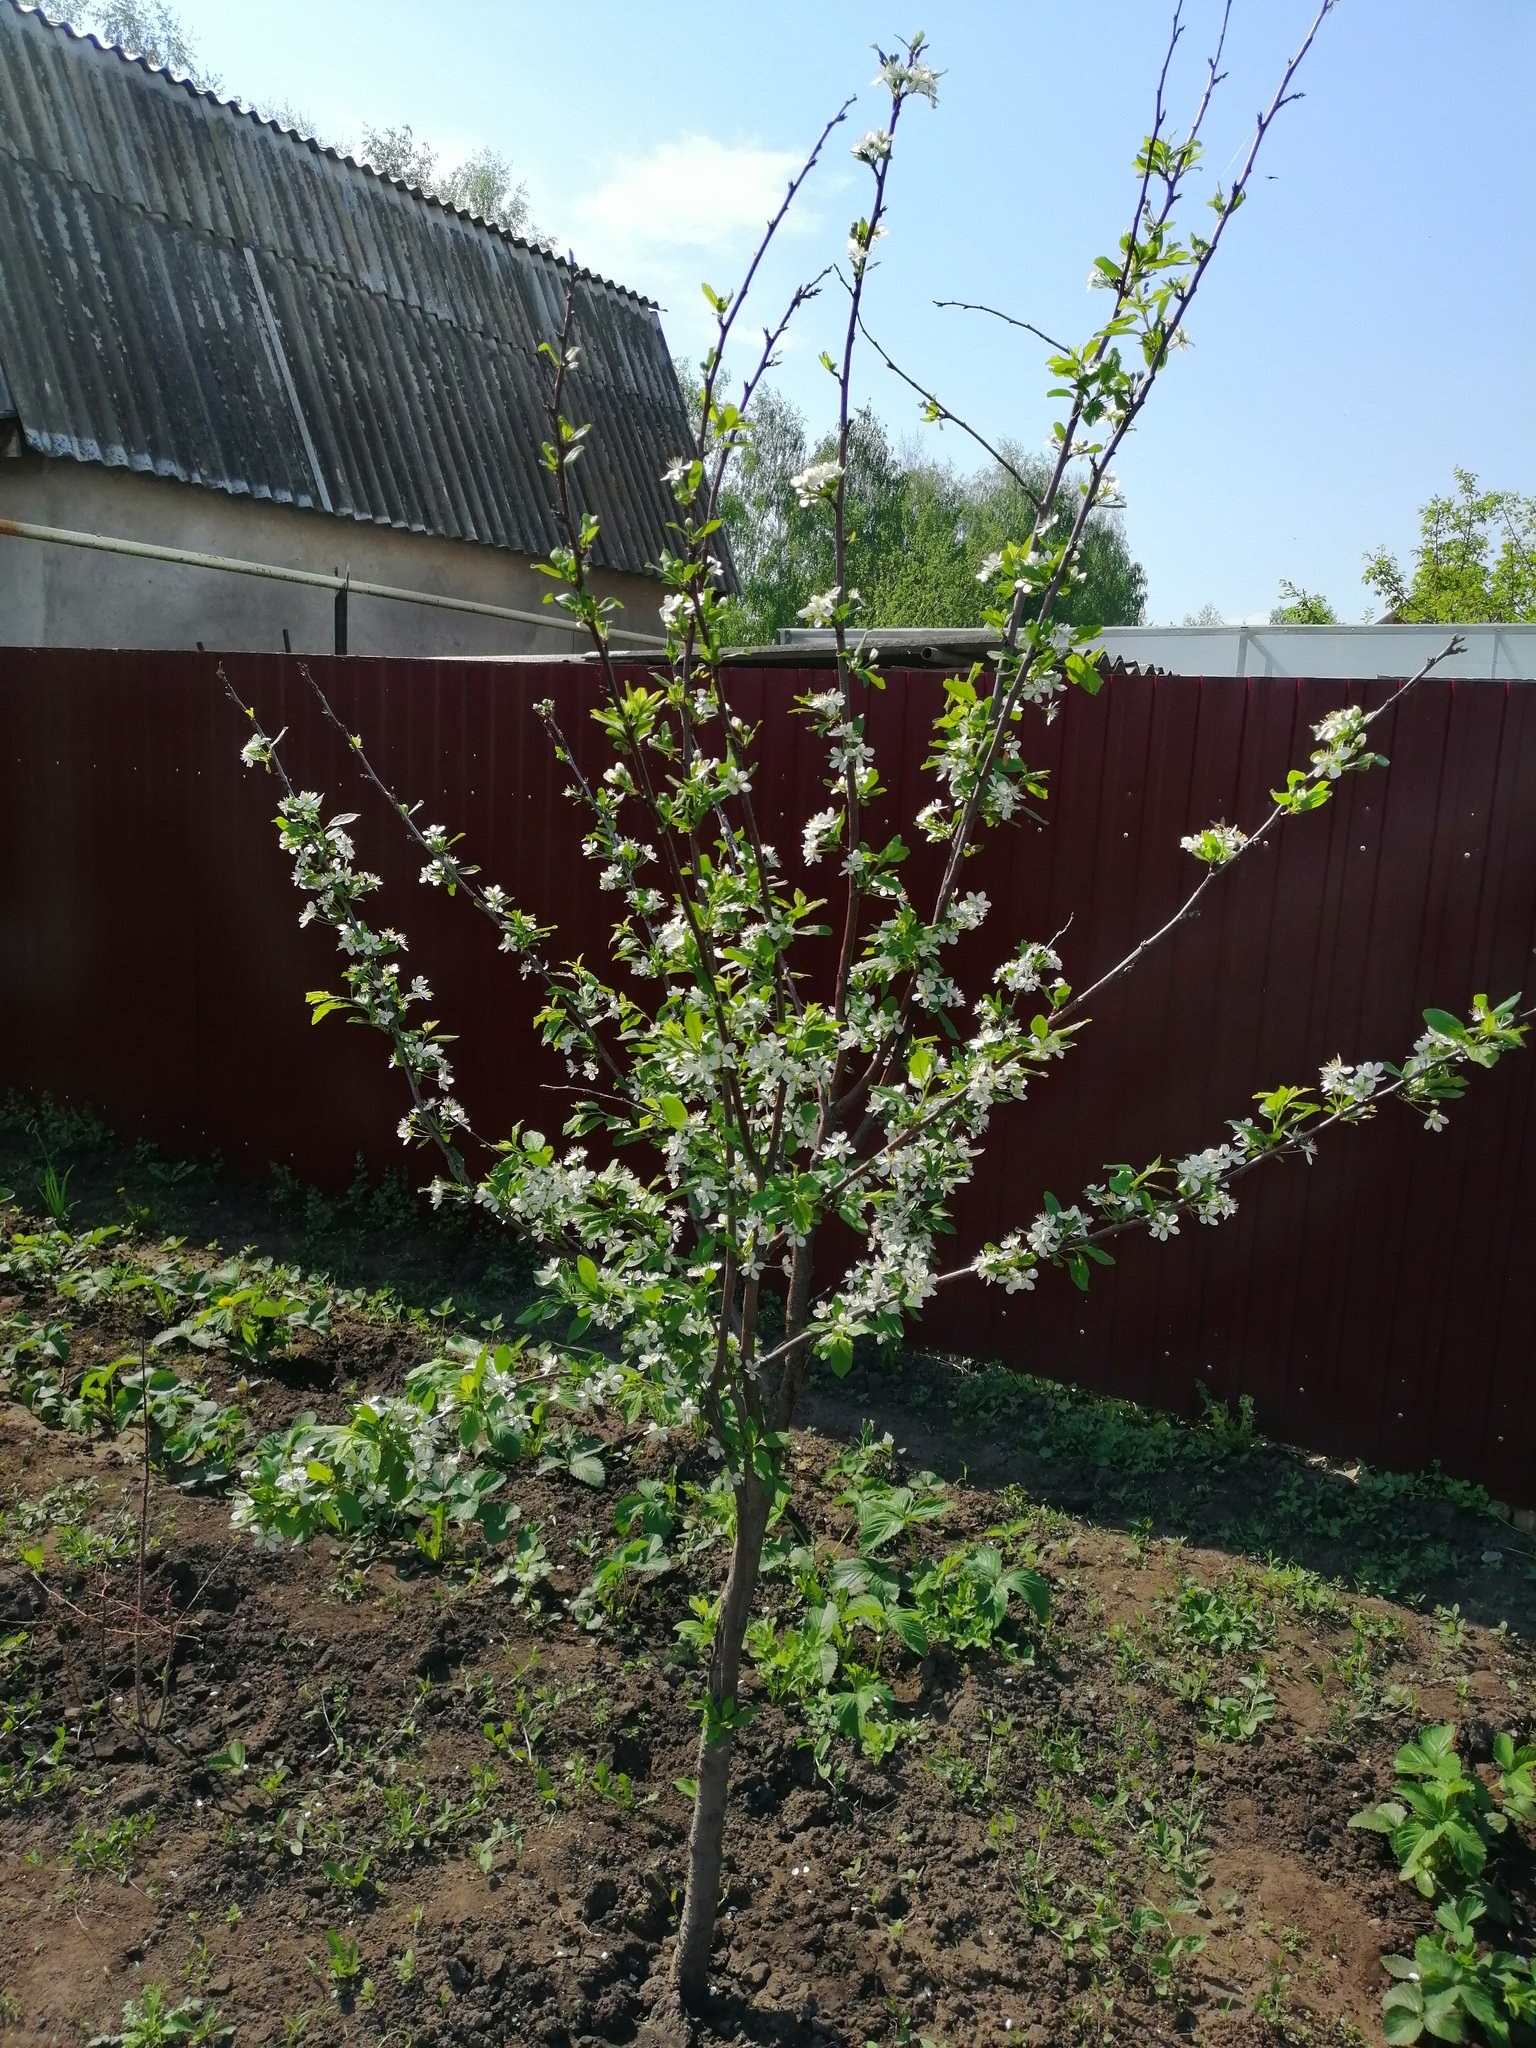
[1368, 325]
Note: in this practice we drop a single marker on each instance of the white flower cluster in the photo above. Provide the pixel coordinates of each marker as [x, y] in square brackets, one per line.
[1216, 845]
[1009, 1265]
[1012, 1265]
[442, 870]
[1027, 970]
[850, 753]
[862, 238]
[1200, 1178]
[626, 857]
[895, 1279]
[823, 606]
[1054, 1231]
[873, 147]
[520, 933]
[822, 834]
[908, 78]
[1341, 742]
[1346, 1087]
[322, 855]
[1426, 1070]
[817, 480]
[1044, 686]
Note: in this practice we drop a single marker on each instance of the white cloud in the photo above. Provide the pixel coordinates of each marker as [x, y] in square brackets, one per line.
[695, 193]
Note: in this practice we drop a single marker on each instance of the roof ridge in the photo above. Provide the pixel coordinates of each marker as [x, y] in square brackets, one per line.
[249, 112]
[343, 280]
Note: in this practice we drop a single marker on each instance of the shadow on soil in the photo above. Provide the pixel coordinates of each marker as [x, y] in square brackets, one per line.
[1216, 1483]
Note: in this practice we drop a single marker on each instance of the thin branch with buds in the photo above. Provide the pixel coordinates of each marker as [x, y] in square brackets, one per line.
[1009, 319]
[937, 410]
[1455, 645]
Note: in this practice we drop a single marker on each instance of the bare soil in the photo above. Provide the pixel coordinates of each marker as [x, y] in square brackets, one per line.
[977, 1886]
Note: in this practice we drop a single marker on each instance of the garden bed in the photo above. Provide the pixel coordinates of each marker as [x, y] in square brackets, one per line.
[429, 1784]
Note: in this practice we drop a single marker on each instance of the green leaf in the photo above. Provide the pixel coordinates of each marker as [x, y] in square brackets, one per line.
[587, 1466]
[1402, 2013]
[909, 1631]
[1443, 1021]
[1032, 1588]
[1421, 1759]
[496, 1518]
[1442, 2019]
[674, 1110]
[587, 1270]
[1380, 1820]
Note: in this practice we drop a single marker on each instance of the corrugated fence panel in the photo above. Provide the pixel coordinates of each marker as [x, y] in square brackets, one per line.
[1381, 1302]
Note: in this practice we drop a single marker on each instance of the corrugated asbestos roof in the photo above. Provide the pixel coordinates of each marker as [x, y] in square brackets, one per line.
[189, 290]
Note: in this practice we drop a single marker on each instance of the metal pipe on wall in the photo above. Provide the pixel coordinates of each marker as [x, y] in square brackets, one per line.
[343, 586]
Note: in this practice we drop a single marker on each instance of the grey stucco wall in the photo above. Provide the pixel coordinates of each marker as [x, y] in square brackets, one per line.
[56, 596]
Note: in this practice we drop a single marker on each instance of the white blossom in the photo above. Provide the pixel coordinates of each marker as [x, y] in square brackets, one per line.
[1027, 971]
[908, 79]
[862, 238]
[822, 833]
[1216, 845]
[815, 481]
[819, 610]
[873, 146]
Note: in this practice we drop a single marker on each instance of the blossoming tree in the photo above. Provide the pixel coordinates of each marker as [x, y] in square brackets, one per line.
[733, 1097]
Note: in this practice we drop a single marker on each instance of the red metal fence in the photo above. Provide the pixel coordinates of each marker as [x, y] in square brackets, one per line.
[1381, 1302]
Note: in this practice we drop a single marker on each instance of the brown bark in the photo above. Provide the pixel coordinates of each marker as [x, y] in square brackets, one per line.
[797, 1309]
[706, 1840]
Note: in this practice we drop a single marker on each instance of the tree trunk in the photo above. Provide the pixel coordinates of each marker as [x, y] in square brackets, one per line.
[785, 1398]
[706, 1840]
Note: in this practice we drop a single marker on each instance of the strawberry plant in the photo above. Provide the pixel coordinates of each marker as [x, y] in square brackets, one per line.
[1516, 1783]
[1449, 1982]
[1440, 1818]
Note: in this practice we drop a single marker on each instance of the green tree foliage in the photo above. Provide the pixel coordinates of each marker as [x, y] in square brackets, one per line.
[481, 185]
[396, 153]
[917, 533]
[145, 28]
[1298, 607]
[1475, 562]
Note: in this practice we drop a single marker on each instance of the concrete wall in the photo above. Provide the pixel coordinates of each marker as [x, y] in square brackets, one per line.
[56, 596]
